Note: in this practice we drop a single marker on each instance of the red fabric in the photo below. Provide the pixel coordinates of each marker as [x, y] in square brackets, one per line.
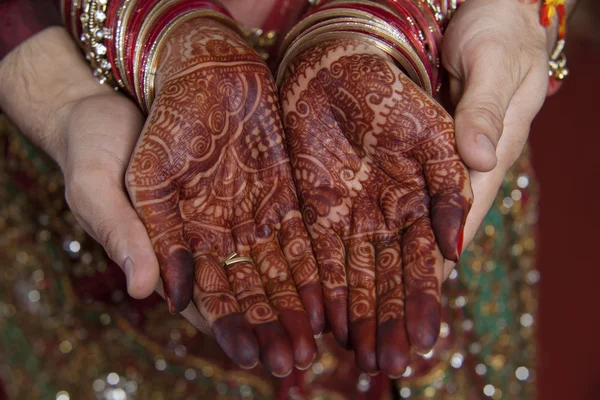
[565, 140]
[283, 16]
[21, 19]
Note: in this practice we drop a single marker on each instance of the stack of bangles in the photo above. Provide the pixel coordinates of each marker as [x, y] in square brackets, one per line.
[409, 31]
[122, 39]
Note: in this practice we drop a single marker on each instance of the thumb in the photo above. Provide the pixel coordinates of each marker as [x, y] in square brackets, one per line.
[488, 89]
[106, 214]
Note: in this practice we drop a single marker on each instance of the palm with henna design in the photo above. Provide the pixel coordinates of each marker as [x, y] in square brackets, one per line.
[384, 196]
[210, 176]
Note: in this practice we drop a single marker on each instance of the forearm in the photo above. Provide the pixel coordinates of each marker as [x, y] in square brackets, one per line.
[39, 81]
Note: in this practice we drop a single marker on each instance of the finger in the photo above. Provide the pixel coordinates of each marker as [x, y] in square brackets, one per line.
[158, 207]
[106, 214]
[330, 256]
[485, 188]
[490, 82]
[176, 266]
[281, 290]
[298, 253]
[393, 349]
[423, 268]
[275, 347]
[449, 188]
[362, 304]
[216, 302]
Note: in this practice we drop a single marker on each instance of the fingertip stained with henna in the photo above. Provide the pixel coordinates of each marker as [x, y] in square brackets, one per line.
[423, 320]
[178, 280]
[276, 352]
[364, 341]
[235, 336]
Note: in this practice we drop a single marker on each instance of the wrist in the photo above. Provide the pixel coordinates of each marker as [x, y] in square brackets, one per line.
[39, 80]
[197, 43]
[123, 41]
[409, 33]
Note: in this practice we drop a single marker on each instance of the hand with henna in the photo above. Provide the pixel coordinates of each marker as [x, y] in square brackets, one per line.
[210, 177]
[383, 193]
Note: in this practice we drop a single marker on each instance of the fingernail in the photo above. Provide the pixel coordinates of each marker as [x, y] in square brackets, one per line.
[282, 375]
[459, 243]
[422, 354]
[304, 368]
[128, 268]
[485, 144]
[249, 366]
[373, 374]
[398, 376]
[307, 366]
[171, 308]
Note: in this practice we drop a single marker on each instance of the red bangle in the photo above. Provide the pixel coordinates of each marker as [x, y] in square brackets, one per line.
[421, 36]
[110, 29]
[131, 36]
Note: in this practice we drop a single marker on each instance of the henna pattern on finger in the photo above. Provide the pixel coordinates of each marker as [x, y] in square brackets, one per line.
[210, 175]
[373, 159]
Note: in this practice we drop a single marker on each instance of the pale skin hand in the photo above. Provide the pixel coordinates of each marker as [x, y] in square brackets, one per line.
[383, 194]
[496, 53]
[90, 131]
[209, 176]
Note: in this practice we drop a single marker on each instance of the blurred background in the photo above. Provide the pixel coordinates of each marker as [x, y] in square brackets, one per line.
[565, 143]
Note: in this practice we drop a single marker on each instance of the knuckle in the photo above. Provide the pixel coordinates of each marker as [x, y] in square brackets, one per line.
[336, 294]
[278, 278]
[495, 49]
[490, 113]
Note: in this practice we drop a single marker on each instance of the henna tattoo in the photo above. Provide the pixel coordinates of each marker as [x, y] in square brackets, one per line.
[383, 193]
[210, 175]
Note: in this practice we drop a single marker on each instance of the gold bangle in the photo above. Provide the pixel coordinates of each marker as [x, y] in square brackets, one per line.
[123, 16]
[74, 21]
[92, 39]
[157, 10]
[327, 12]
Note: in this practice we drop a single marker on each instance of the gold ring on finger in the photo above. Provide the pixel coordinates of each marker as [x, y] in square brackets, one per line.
[233, 258]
